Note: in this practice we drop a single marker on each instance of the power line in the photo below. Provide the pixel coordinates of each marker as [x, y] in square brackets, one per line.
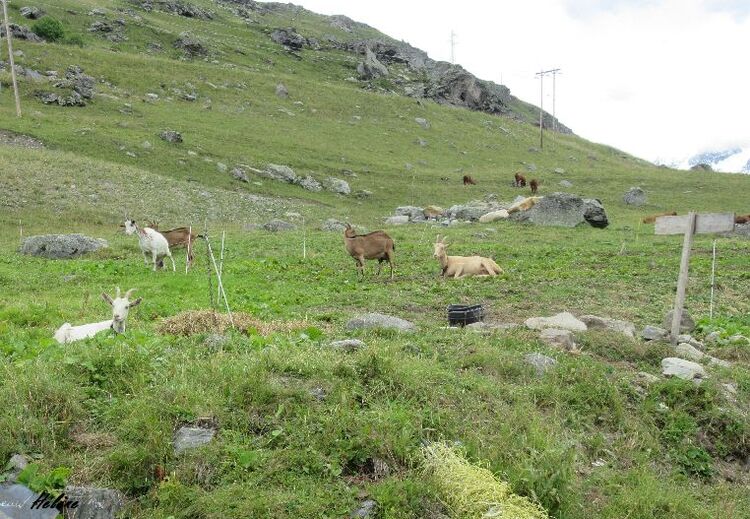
[541, 75]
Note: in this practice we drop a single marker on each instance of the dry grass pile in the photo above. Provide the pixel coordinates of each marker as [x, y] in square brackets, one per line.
[471, 491]
[194, 322]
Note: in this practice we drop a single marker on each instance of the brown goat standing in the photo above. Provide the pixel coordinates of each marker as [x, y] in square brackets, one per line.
[741, 219]
[520, 180]
[652, 218]
[179, 237]
[534, 185]
[469, 180]
[375, 245]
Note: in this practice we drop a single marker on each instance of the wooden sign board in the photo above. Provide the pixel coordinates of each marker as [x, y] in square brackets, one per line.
[704, 223]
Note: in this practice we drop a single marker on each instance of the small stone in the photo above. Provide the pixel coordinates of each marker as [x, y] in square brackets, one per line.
[348, 344]
[221, 167]
[686, 351]
[421, 121]
[375, 320]
[541, 363]
[192, 437]
[171, 136]
[713, 337]
[624, 327]
[281, 91]
[239, 174]
[365, 510]
[95, 503]
[635, 197]
[646, 378]
[397, 220]
[215, 341]
[278, 225]
[318, 393]
[566, 183]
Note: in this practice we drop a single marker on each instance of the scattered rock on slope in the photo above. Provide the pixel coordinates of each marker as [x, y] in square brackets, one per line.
[289, 38]
[192, 437]
[684, 369]
[563, 320]
[370, 67]
[20, 32]
[95, 503]
[375, 320]
[31, 12]
[171, 136]
[635, 196]
[191, 45]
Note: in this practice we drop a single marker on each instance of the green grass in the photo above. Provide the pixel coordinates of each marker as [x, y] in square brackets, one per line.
[107, 407]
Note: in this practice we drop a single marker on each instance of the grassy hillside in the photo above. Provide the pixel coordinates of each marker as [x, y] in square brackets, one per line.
[304, 430]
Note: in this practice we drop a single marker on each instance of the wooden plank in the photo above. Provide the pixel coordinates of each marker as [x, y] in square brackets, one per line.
[704, 224]
[682, 280]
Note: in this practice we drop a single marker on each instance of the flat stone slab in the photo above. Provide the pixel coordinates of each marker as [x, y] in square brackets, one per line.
[681, 368]
[61, 246]
[191, 438]
[624, 327]
[16, 501]
[563, 321]
[94, 503]
[654, 333]
[380, 321]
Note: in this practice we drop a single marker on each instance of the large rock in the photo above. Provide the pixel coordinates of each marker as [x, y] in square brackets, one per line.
[563, 321]
[171, 136]
[397, 220]
[61, 246]
[687, 324]
[278, 226]
[31, 12]
[309, 183]
[413, 212]
[564, 210]
[336, 185]
[280, 173]
[20, 32]
[15, 502]
[472, 211]
[689, 352]
[370, 68]
[625, 327]
[680, 368]
[289, 38]
[192, 437]
[94, 503]
[541, 363]
[558, 338]
[190, 45]
[380, 321]
[635, 196]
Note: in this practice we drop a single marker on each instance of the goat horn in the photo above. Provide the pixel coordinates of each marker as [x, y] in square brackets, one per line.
[130, 292]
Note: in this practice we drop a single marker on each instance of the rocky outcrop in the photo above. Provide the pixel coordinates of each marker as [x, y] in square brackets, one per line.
[190, 45]
[61, 246]
[20, 32]
[370, 68]
[289, 38]
[564, 210]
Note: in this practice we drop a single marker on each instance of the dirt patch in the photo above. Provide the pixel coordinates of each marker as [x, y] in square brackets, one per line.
[9, 138]
[193, 322]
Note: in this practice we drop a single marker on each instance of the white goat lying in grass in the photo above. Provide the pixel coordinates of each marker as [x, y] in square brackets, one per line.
[460, 266]
[120, 306]
[152, 242]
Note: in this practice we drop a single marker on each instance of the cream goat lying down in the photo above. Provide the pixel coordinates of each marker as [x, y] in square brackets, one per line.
[524, 205]
[461, 266]
[120, 307]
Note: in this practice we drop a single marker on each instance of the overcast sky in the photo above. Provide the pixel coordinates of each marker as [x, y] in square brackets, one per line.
[661, 79]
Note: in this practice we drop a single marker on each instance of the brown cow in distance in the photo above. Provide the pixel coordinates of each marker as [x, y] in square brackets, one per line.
[534, 185]
[520, 180]
[652, 218]
[469, 181]
[740, 219]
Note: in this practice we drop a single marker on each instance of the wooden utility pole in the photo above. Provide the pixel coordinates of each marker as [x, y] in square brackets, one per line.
[554, 116]
[10, 59]
[541, 75]
[453, 46]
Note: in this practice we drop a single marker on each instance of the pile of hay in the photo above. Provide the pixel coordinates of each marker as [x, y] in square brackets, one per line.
[473, 492]
[194, 322]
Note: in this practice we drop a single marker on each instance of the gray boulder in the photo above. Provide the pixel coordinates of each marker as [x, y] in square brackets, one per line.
[280, 173]
[380, 321]
[566, 183]
[278, 226]
[470, 212]
[365, 511]
[13, 497]
[363, 194]
[192, 437]
[94, 503]
[397, 220]
[281, 91]
[371, 68]
[289, 38]
[635, 196]
[190, 45]
[563, 321]
[681, 368]
[689, 352]
[30, 12]
[239, 174]
[336, 185]
[413, 212]
[687, 324]
[61, 246]
[541, 363]
[421, 121]
[625, 327]
[309, 183]
[171, 136]
[653, 333]
[558, 338]
[20, 32]
[564, 210]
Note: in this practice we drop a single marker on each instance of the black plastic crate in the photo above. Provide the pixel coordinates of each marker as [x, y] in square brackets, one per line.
[462, 315]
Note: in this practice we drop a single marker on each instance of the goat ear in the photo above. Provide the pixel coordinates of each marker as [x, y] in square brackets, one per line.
[135, 303]
[106, 298]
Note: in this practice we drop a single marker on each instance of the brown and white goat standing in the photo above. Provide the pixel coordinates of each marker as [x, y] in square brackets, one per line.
[179, 237]
[375, 245]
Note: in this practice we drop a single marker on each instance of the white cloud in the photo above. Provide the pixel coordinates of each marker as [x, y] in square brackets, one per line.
[656, 78]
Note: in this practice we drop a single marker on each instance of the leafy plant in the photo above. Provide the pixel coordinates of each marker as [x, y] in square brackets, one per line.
[51, 29]
[51, 482]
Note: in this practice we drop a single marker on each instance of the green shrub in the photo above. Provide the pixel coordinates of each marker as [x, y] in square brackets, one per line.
[51, 29]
